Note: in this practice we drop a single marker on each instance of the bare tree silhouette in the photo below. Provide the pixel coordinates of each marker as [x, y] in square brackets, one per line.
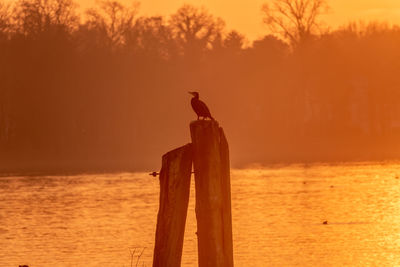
[294, 20]
[35, 16]
[195, 29]
[111, 20]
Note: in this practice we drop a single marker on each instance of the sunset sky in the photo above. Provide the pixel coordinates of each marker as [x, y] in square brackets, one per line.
[246, 16]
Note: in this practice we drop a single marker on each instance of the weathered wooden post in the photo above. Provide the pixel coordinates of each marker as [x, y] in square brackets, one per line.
[174, 198]
[213, 196]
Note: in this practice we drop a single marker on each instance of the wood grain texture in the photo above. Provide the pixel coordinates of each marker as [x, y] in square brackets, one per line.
[213, 198]
[174, 198]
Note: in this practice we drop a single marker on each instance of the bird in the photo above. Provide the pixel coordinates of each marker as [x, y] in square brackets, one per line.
[200, 107]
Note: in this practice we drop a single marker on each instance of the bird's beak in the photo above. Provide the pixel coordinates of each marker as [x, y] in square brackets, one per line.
[191, 93]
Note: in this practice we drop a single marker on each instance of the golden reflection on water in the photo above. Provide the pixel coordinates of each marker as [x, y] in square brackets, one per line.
[278, 215]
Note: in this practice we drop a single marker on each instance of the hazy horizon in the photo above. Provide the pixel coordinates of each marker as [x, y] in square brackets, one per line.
[78, 93]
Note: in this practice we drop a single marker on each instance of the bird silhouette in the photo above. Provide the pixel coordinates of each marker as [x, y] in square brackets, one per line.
[200, 107]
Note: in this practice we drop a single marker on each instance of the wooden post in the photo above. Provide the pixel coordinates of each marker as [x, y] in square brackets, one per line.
[213, 197]
[174, 198]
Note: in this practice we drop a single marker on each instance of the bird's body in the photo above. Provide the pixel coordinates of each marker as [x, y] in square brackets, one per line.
[200, 107]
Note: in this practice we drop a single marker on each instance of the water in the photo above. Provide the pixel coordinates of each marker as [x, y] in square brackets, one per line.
[278, 215]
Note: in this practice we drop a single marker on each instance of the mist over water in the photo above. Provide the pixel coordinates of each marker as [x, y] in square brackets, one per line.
[278, 215]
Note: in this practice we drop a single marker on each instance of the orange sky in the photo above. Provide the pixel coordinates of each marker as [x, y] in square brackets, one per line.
[246, 17]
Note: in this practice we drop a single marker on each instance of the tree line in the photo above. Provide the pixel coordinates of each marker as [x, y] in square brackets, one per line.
[106, 89]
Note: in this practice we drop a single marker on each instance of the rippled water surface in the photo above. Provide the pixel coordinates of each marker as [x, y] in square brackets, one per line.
[278, 215]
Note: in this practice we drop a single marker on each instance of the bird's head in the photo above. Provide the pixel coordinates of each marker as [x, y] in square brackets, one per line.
[195, 94]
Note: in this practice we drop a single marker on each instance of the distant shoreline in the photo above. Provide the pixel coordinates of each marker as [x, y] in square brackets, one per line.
[51, 171]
